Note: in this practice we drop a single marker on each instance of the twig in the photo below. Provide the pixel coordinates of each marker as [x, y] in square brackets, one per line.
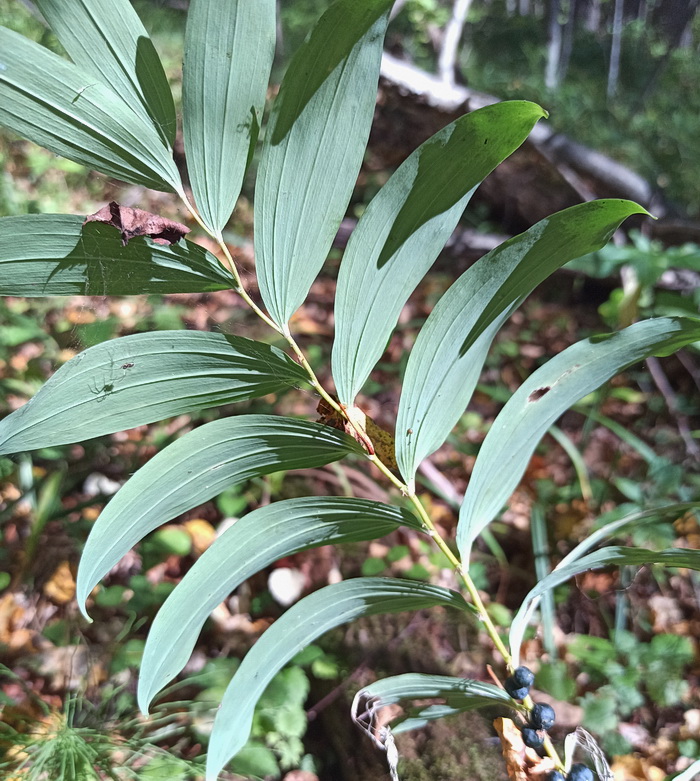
[689, 366]
[454, 97]
[671, 399]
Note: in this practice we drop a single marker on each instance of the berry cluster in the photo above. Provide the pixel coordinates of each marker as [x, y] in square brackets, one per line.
[541, 719]
[577, 773]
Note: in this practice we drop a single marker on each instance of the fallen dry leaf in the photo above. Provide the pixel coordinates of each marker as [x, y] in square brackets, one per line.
[136, 222]
[60, 588]
[202, 534]
[631, 768]
[522, 763]
[13, 632]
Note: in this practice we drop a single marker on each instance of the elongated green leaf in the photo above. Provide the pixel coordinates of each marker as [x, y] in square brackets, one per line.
[459, 695]
[445, 362]
[253, 542]
[542, 398]
[70, 112]
[299, 626]
[142, 378]
[599, 535]
[229, 48]
[405, 227]
[107, 40]
[653, 515]
[612, 556]
[56, 255]
[313, 149]
[194, 469]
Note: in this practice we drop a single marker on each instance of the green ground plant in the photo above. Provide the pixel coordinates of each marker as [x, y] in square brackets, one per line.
[111, 109]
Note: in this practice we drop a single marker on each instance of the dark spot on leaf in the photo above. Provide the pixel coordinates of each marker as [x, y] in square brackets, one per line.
[136, 222]
[486, 141]
[536, 395]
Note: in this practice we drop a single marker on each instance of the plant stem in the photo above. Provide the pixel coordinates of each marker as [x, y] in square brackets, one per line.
[230, 263]
[427, 522]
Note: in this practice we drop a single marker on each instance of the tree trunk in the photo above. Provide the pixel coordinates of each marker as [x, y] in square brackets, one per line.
[568, 43]
[450, 41]
[551, 75]
[673, 22]
[671, 18]
[615, 50]
[593, 16]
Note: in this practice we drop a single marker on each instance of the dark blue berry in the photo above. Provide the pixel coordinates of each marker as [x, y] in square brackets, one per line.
[555, 775]
[542, 717]
[516, 692]
[523, 676]
[532, 738]
[579, 773]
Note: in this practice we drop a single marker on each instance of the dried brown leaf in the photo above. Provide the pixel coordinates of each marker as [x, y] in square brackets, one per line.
[136, 222]
[359, 425]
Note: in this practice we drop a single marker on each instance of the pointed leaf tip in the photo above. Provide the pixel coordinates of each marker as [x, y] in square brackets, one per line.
[229, 49]
[405, 227]
[316, 135]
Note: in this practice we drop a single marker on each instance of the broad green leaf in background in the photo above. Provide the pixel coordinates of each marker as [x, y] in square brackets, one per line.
[229, 47]
[445, 362]
[194, 469]
[605, 557]
[313, 149]
[142, 378]
[107, 40]
[654, 515]
[56, 255]
[542, 398]
[459, 695]
[52, 102]
[252, 543]
[300, 625]
[405, 227]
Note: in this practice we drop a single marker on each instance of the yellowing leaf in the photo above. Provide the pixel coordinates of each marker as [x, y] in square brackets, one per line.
[202, 534]
[373, 438]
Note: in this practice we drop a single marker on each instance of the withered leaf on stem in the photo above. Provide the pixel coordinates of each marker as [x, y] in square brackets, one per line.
[372, 437]
[136, 222]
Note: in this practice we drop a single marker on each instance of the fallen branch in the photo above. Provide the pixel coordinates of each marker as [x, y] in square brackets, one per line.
[444, 96]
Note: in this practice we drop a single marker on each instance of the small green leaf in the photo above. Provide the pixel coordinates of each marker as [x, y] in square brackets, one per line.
[610, 556]
[405, 227]
[458, 695]
[252, 543]
[61, 107]
[299, 626]
[313, 149]
[444, 365]
[229, 48]
[542, 398]
[106, 39]
[256, 761]
[56, 255]
[194, 469]
[143, 378]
